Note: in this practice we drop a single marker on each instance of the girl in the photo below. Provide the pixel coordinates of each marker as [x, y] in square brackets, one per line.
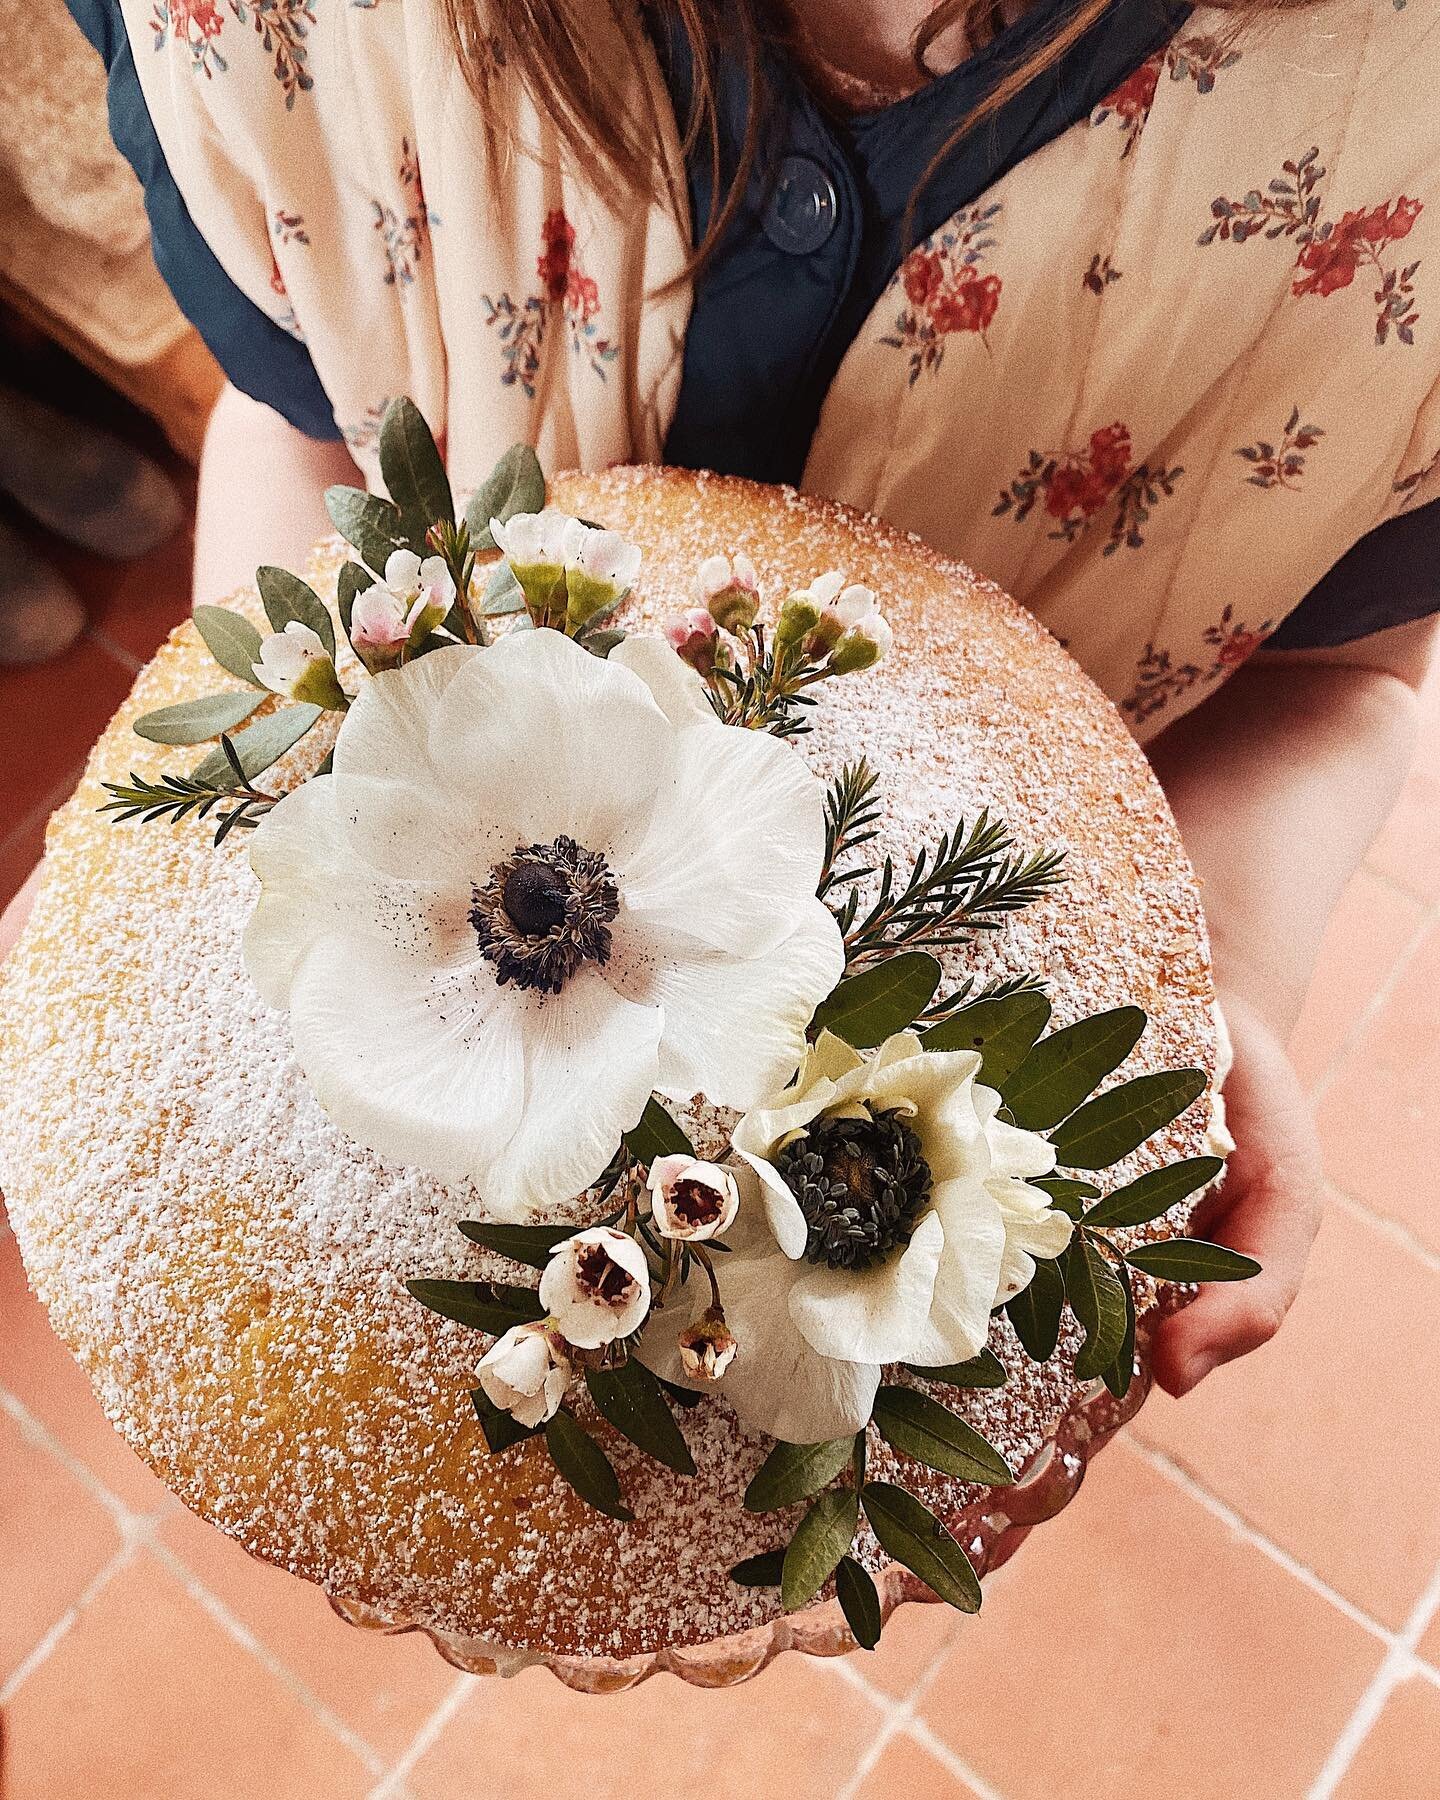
[1127, 304]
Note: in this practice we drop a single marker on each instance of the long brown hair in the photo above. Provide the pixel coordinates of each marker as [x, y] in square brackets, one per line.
[543, 45]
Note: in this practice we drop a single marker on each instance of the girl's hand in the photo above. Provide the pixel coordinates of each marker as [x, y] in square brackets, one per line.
[1268, 1207]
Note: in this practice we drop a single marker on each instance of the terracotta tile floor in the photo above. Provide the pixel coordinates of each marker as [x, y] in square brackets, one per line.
[1244, 1602]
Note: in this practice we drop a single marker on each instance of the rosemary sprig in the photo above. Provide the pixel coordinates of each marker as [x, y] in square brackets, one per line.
[767, 692]
[177, 796]
[851, 812]
[966, 883]
[971, 991]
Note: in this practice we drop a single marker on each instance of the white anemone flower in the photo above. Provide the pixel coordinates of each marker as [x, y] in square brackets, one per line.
[596, 1287]
[525, 1373]
[888, 1213]
[538, 886]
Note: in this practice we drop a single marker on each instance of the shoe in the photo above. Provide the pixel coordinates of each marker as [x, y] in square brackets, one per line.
[83, 483]
[39, 614]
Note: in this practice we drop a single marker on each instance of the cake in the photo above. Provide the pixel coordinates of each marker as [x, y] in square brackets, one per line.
[230, 1265]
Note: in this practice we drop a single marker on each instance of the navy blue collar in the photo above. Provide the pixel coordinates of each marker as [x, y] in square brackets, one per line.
[818, 235]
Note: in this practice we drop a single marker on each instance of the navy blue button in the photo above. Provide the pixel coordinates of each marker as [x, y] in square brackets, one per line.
[801, 212]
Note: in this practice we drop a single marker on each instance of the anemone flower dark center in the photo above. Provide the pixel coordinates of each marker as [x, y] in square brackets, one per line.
[543, 912]
[861, 1183]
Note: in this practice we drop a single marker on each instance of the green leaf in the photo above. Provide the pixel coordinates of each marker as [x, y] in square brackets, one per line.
[1035, 1311]
[371, 524]
[258, 745]
[983, 1371]
[601, 643]
[352, 582]
[793, 1472]
[529, 1244]
[867, 1008]
[515, 485]
[1003, 1031]
[287, 597]
[410, 462]
[1122, 1371]
[632, 1400]
[916, 1425]
[1192, 1259]
[859, 1602]
[503, 593]
[1066, 1066]
[910, 1532]
[760, 1571]
[684, 1398]
[821, 1539]
[500, 1428]
[585, 1465]
[1067, 1193]
[193, 721]
[1097, 1295]
[1120, 1120]
[231, 639]
[485, 1305]
[656, 1135]
[1151, 1195]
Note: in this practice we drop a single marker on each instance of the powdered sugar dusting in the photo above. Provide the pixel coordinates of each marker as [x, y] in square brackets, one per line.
[228, 1266]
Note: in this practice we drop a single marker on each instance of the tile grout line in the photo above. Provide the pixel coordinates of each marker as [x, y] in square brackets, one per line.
[392, 1784]
[1365, 1016]
[67, 1621]
[1399, 1663]
[115, 651]
[1392, 1228]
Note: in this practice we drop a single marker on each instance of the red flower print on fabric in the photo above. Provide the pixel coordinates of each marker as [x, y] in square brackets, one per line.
[1071, 486]
[1160, 680]
[565, 291]
[1199, 59]
[945, 291]
[281, 26]
[1331, 252]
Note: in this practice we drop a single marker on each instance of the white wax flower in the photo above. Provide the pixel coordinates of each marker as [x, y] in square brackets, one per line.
[400, 610]
[862, 645]
[596, 1287]
[295, 664]
[692, 1199]
[707, 1348]
[823, 1289]
[729, 590]
[525, 1374]
[537, 887]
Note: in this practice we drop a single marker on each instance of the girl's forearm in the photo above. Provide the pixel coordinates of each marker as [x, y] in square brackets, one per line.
[1280, 782]
[261, 494]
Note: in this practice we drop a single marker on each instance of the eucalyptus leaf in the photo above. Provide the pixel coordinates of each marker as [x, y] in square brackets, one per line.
[530, 1244]
[919, 1427]
[821, 1539]
[502, 593]
[585, 1465]
[1151, 1195]
[762, 1571]
[485, 1305]
[632, 1400]
[910, 1532]
[195, 721]
[1097, 1295]
[1192, 1259]
[859, 1602]
[353, 581]
[1035, 1311]
[371, 524]
[1066, 1193]
[1068, 1065]
[411, 464]
[231, 639]
[793, 1472]
[867, 1008]
[1003, 1031]
[258, 745]
[656, 1135]
[286, 597]
[501, 1428]
[1122, 1371]
[1113, 1124]
[983, 1371]
[516, 484]
[601, 643]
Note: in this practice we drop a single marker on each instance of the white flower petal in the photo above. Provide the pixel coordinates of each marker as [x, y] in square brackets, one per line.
[871, 1315]
[402, 572]
[676, 688]
[968, 1276]
[1033, 1227]
[781, 1208]
[1012, 1151]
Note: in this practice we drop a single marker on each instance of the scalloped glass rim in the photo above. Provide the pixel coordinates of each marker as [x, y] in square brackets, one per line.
[1047, 1484]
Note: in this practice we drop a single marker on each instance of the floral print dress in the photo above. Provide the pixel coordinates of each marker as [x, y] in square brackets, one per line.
[1155, 382]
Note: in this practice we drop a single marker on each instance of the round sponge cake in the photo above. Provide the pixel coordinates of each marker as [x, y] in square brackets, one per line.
[229, 1267]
